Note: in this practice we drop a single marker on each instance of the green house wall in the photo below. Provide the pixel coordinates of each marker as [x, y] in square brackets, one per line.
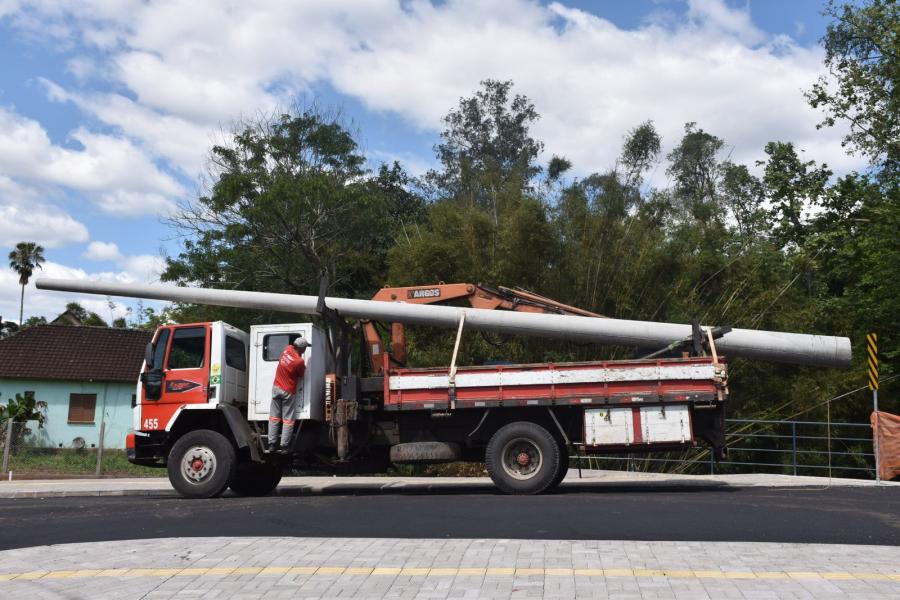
[113, 407]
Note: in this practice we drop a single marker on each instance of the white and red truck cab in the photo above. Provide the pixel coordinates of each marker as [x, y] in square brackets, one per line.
[204, 392]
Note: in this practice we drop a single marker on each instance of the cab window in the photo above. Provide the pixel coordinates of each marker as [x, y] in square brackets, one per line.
[188, 348]
[275, 343]
[159, 349]
[235, 353]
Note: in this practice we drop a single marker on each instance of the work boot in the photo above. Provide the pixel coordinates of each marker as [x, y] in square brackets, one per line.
[271, 448]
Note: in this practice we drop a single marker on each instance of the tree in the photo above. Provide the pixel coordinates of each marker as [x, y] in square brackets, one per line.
[862, 54]
[289, 199]
[792, 185]
[641, 149]
[32, 321]
[21, 409]
[23, 260]
[486, 147]
[84, 316]
[694, 168]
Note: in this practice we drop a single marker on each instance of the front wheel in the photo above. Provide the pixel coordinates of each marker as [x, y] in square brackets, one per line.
[522, 458]
[255, 479]
[201, 464]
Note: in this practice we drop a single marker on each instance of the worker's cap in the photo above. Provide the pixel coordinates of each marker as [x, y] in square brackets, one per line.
[300, 344]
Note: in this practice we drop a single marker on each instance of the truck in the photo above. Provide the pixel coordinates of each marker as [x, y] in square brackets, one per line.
[201, 406]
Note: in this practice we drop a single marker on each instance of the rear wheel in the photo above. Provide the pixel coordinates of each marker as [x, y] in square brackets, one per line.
[522, 458]
[563, 468]
[201, 464]
[255, 479]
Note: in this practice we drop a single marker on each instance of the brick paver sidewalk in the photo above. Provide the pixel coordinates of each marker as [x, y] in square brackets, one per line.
[223, 568]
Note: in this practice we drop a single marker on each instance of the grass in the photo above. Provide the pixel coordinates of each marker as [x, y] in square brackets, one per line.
[34, 463]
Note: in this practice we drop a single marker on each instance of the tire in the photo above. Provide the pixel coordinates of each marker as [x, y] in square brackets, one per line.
[255, 479]
[522, 458]
[201, 464]
[563, 468]
[425, 452]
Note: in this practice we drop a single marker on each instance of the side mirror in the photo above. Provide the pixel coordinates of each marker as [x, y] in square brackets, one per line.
[148, 354]
[153, 382]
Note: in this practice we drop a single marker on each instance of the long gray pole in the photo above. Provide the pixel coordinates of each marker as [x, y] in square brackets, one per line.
[794, 348]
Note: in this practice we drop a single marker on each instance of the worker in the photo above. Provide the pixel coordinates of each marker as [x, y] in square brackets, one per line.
[287, 393]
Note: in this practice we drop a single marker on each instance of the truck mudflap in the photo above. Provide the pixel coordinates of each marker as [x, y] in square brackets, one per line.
[240, 430]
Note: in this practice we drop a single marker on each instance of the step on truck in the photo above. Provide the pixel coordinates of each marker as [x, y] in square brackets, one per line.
[202, 402]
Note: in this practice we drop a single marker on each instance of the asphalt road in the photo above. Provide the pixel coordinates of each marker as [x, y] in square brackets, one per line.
[847, 515]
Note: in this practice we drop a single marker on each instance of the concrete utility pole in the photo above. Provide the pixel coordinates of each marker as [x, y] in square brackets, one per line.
[796, 348]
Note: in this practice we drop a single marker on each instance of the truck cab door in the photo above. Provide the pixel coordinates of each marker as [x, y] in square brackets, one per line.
[178, 376]
[268, 345]
[186, 368]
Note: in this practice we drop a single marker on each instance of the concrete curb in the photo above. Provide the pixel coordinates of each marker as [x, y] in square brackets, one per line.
[302, 486]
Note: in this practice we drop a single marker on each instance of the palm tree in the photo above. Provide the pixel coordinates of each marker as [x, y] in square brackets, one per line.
[23, 260]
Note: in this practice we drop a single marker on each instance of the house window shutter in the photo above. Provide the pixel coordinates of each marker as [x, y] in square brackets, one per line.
[81, 408]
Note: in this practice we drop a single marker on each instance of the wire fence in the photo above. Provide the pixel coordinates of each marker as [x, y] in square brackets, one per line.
[763, 446]
[24, 457]
[754, 446]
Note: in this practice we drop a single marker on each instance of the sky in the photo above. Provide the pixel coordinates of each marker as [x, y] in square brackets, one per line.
[108, 108]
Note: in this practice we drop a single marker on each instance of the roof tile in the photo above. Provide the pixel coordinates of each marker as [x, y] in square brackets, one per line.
[74, 353]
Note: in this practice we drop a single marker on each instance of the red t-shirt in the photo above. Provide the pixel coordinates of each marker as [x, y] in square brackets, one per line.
[290, 369]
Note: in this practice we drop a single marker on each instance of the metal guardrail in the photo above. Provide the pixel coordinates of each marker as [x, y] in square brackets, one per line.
[787, 447]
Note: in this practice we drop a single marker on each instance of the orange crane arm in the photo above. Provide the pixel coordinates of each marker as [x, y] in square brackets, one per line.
[479, 296]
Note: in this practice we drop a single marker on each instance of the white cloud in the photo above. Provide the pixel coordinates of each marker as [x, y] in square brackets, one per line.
[102, 251]
[182, 142]
[186, 67]
[111, 170]
[25, 216]
[715, 15]
[132, 269]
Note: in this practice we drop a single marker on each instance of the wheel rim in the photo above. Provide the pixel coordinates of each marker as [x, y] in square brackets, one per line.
[198, 464]
[522, 459]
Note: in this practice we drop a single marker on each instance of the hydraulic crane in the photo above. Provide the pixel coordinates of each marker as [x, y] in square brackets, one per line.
[478, 296]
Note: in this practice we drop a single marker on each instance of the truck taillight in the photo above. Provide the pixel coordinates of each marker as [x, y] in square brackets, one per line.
[129, 441]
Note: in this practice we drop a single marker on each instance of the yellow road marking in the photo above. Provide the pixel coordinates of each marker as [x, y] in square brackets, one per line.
[58, 574]
[589, 572]
[274, 570]
[31, 575]
[740, 575]
[772, 575]
[442, 572]
[679, 574]
[649, 573]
